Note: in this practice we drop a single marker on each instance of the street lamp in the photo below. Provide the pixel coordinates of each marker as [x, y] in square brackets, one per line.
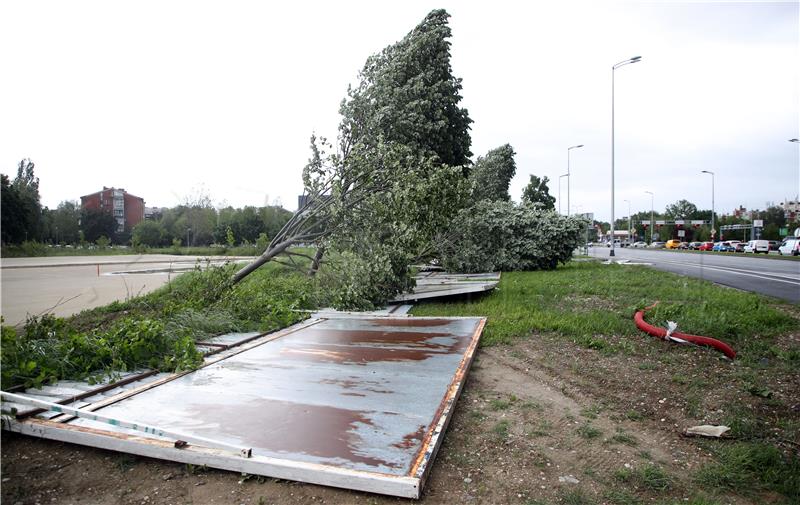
[635, 59]
[652, 223]
[713, 230]
[568, 177]
[629, 221]
[559, 194]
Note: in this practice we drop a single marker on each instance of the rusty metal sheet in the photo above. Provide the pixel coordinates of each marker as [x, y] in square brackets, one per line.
[369, 396]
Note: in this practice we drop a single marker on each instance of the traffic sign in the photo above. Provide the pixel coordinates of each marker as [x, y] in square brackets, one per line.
[713, 232]
[681, 233]
[758, 223]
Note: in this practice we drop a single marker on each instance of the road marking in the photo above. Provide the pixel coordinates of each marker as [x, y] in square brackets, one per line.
[749, 273]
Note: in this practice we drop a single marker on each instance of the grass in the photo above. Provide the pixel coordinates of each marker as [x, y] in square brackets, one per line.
[157, 330]
[589, 432]
[649, 477]
[746, 467]
[591, 303]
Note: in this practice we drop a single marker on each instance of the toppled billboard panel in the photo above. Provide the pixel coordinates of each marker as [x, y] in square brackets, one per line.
[359, 403]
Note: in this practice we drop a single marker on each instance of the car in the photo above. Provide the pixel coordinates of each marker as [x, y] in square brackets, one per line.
[790, 246]
[657, 245]
[757, 246]
[723, 247]
[639, 244]
[774, 245]
[738, 246]
[705, 246]
[694, 246]
[673, 244]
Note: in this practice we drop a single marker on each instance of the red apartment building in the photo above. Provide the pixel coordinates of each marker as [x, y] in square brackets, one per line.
[127, 208]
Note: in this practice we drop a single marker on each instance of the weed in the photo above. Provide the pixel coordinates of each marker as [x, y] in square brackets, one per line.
[501, 429]
[542, 430]
[499, 404]
[647, 365]
[753, 466]
[589, 432]
[591, 412]
[575, 497]
[650, 477]
[531, 405]
[645, 455]
[634, 415]
[125, 462]
[621, 497]
[624, 438]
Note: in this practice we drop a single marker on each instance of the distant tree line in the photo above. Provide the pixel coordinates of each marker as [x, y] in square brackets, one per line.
[193, 223]
[773, 217]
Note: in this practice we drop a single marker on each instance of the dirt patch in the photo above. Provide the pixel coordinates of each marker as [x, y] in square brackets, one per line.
[541, 421]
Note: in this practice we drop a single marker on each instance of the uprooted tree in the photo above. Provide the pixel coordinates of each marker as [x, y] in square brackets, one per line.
[399, 186]
[503, 236]
[398, 173]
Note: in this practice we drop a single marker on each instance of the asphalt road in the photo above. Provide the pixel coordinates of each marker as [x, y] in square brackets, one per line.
[69, 284]
[772, 277]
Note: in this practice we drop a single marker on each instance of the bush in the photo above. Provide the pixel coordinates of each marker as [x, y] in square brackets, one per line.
[499, 235]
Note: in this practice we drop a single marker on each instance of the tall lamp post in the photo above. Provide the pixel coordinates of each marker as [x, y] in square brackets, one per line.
[568, 177]
[652, 224]
[559, 194]
[713, 229]
[635, 59]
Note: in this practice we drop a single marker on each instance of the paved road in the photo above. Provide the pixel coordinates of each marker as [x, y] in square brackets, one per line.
[67, 285]
[773, 277]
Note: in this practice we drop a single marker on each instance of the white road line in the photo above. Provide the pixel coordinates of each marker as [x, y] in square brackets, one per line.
[748, 273]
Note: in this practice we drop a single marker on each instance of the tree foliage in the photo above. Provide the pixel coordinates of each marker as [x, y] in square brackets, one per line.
[407, 95]
[682, 209]
[498, 235]
[396, 177]
[96, 223]
[491, 175]
[21, 208]
[537, 192]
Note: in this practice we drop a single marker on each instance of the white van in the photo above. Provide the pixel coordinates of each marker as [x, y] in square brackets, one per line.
[790, 246]
[757, 246]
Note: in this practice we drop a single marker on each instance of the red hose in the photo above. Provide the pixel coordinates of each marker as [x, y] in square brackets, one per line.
[695, 339]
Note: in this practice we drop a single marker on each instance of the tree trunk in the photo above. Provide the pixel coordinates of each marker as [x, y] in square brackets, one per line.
[316, 261]
[264, 258]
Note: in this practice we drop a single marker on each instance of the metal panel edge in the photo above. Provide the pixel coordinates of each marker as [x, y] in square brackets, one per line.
[401, 486]
[422, 467]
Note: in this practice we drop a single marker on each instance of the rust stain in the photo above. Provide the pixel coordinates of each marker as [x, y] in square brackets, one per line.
[364, 385]
[412, 439]
[290, 428]
[414, 339]
[408, 322]
[354, 355]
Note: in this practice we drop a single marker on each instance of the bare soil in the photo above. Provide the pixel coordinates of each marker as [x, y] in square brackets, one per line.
[540, 421]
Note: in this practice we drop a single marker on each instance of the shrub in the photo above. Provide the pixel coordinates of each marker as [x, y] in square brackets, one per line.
[498, 235]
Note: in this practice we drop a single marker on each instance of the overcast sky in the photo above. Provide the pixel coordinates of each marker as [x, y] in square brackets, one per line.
[171, 99]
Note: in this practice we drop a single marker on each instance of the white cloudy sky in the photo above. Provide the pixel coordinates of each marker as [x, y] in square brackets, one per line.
[168, 98]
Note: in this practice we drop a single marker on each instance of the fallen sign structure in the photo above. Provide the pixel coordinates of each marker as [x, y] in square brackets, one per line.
[358, 403]
[436, 284]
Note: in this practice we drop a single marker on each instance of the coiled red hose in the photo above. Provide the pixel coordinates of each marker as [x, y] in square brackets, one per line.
[695, 339]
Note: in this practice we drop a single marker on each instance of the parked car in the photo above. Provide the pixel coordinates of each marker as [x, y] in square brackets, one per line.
[673, 244]
[705, 246]
[639, 244]
[738, 246]
[790, 246]
[657, 245]
[774, 245]
[694, 246]
[723, 247]
[757, 246]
